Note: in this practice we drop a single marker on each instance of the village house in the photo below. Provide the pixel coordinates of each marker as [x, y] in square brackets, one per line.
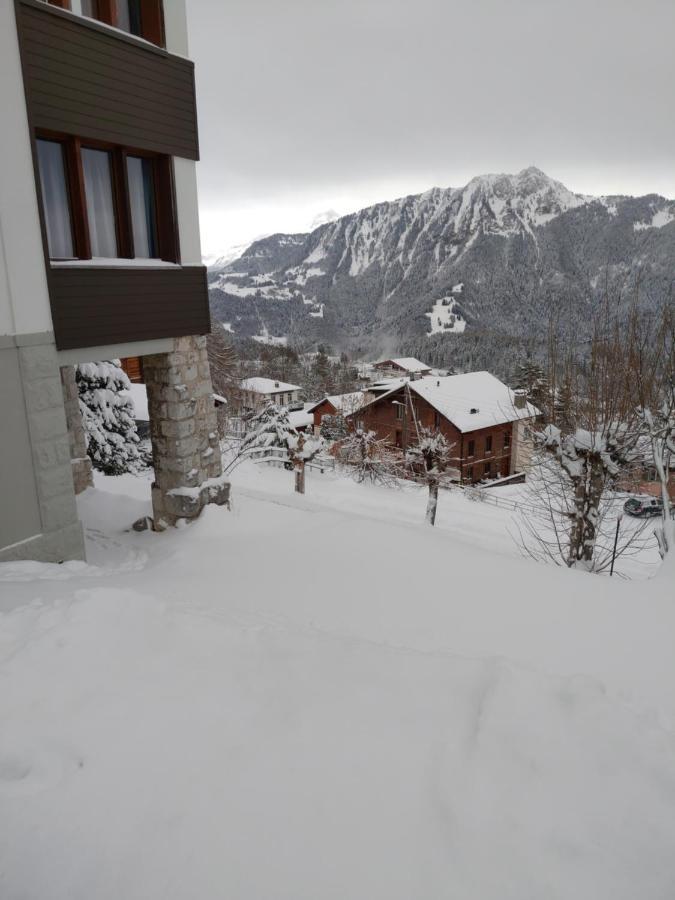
[257, 392]
[479, 416]
[399, 368]
[337, 405]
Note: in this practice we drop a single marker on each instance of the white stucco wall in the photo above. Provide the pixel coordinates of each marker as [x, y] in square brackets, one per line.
[175, 27]
[187, 207]
[24, 301]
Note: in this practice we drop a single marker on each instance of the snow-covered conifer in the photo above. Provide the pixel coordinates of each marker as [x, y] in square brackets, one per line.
[271, 427]
[108, 418]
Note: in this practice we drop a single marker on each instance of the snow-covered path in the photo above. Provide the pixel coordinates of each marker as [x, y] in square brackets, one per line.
[294, 700]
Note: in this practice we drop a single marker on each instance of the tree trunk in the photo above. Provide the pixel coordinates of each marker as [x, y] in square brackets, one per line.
[588, 489]
[300, 476]
[432, 502]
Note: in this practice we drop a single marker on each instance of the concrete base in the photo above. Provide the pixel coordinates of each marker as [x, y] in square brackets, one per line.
[183, 432]
[51, 546]
[38, 515]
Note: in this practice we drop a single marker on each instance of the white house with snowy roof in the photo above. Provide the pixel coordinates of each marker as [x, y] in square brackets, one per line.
[257, 392]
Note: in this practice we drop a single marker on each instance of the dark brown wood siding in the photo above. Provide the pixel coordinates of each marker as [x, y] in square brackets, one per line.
[380, 417]
[110, 305]
[84, 79]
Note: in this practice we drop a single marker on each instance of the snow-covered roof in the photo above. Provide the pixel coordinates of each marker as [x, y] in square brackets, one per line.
[219, 398]
[471, 401]
[301, 418]
[347, 403]
[408, 363]
[267, 386]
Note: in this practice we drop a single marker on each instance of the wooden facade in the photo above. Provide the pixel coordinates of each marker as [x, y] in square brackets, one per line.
[83, 79]
[478, 454]
[89, 85]
[97, 305]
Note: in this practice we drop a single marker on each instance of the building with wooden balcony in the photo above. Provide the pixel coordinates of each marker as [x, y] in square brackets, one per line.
[100, 256]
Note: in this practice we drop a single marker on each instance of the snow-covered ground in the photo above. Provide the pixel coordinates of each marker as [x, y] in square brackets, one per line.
[321, 697]
[445, 319]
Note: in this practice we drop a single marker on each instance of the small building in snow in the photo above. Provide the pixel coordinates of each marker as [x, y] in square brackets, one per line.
[401, 367]
[480, 417]
[337, 405]
[256, 392]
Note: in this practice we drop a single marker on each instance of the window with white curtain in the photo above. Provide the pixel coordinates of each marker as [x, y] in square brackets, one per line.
[100, 206]
[129, 16]
[55, 199]
[142, 206]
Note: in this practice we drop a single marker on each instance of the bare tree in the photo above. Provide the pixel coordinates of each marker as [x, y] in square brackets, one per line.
[592, 425]
[301, 450]
[370, 459]
[651, 360]
[547, 516]
[433, 452]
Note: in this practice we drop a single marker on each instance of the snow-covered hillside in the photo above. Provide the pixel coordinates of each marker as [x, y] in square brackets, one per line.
[523, 245]
[320, 697]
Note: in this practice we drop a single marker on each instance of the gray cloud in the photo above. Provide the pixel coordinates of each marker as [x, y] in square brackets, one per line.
[301, 100]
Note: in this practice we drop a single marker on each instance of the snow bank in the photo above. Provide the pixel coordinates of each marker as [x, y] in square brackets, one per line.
[421, 717]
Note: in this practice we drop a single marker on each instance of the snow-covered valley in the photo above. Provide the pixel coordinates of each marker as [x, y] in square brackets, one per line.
[321, 697]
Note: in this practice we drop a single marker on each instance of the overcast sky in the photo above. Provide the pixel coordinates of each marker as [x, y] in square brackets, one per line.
[311, 105]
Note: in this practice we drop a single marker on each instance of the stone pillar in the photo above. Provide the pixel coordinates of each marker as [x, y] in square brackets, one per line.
[79, 461]
[184, 433]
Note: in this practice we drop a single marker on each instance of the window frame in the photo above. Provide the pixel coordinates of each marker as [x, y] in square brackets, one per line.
[507, 440]
[164, 200]
[151, 12]
[471, 449]
[488, 444]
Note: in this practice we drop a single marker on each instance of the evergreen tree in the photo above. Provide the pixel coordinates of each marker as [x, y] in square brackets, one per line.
[108, 418]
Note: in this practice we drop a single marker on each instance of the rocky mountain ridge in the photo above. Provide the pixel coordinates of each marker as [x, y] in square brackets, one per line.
[450, 268]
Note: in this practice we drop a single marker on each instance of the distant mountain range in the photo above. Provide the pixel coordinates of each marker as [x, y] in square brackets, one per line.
[468, 275]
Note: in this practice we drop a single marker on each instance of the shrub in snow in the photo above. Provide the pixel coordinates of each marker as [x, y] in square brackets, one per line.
[108, 418]
[333, 428]
[370, 459]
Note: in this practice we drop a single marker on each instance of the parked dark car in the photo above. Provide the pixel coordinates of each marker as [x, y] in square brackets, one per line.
[644, 506]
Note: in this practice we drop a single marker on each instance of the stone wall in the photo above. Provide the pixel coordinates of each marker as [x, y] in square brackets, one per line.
[184, 433]
[79, 461]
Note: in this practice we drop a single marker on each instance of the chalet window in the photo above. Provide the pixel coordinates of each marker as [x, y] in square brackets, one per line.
[129, 16]
[507, 439]
[51, 164]
[98, 192]
[142, 18]
[471, 449]
[103, 201]
[487, 469]
[399, 410]
[142, 203]
[437, 420]
[488, 444]
[469, 473]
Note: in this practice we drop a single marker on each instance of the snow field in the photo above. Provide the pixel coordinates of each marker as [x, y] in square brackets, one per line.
[321, 696]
